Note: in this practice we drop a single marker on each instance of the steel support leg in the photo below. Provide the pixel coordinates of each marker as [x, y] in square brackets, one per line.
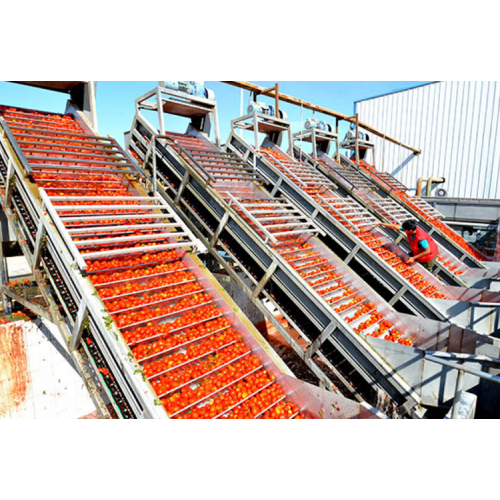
[9, 185]
[161, 121]
[219, 229]
[4, 274]
[398, 295]
[352, 254]
[155, 180]
[76, 333]
[320, 340]
[458, 393]
[38, 243]
[276, 187]
[184, 182]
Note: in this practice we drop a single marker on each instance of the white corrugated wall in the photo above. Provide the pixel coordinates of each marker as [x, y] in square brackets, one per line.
[455, 124]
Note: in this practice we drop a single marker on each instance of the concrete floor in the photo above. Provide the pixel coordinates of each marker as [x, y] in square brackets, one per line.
[38, 378]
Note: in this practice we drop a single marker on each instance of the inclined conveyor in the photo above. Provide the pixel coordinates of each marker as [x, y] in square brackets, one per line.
[163, 337]
[269, 244]
[366, 179]
[349, 227]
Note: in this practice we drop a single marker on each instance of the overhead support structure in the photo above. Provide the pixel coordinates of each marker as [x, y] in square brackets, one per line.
[319, 109]
[268, 91]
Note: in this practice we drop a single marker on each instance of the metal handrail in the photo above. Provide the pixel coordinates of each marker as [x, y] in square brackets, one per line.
[63, 232]
[268, 235]
[176, 145]
[13, 143]
[127, 155]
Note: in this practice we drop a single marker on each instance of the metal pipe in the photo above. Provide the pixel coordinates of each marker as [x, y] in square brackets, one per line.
[419, 185]
[456, 366]
[431, 181]
[256, 89]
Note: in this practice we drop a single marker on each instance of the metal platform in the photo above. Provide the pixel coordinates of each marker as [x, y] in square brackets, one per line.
[467, 210]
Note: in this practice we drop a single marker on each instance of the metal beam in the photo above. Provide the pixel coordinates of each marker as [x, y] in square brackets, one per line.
[257, 89]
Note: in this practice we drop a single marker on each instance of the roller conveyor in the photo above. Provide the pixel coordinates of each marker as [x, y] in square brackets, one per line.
[163, 336]
[332, 313]
[350, 226]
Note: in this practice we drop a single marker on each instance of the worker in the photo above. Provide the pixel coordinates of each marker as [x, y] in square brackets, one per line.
[423, 248]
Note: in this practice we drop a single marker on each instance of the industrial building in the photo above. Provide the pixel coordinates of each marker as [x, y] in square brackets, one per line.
[188, 275]
[455, 125]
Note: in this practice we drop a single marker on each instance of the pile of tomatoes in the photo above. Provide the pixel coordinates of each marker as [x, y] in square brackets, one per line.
[130, 302]
[405, 270]
[294, 170]
[361, 311]
[224, 402]
[215, 370]
[167, 279]
[190, 353]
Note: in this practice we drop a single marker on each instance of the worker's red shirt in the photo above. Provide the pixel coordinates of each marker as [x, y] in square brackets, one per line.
[419, 236]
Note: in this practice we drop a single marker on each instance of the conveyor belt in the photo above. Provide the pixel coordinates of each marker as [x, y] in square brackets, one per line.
[454, 265]
[324, 302]
[350, 226]
[422, 210]
[450, 268]
[164, 337]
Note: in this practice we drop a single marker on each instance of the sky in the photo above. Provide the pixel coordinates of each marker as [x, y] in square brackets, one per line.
[115, 101]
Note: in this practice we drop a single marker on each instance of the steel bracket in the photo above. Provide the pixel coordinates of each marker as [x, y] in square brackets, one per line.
[320, 340]
[76, 332]
[352, 254]
[398, 295]
[40, 234]
[276, 187]
[219, 229]
[265, 279]
[183, 185]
